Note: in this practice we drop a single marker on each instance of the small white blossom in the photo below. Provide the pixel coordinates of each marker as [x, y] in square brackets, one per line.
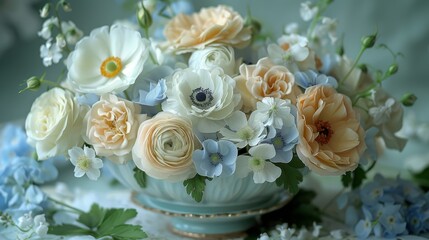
[40, 225]
[308, 11]
[71, 32]
[60, 41]
[50, 53]
[243, 132]
[381, 114]
[291, 28]
[85, 162]
[274, 112]
[25, 221]
[291, 47]
[46, 31]
[263, 170]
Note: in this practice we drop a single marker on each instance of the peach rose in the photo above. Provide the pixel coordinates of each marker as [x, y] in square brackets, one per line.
[164, 147]
[211, 25]
[265, 80]
[111, 127]
[331, 137]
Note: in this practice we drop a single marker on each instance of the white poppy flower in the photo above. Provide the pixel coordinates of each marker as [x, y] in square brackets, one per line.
[263, 170]
[85, 162]
[207, 97]
[107, 61]
[291, 47]
[243, 132]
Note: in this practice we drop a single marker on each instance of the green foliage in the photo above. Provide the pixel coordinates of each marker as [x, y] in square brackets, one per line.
[422, 178]
[195, 187]
[291, 175]
[140, 177]
[354, 179]
[99, 222]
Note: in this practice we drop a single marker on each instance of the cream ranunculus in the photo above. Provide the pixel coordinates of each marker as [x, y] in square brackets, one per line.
[111, 127]
[211, 25]
[207, 97]
[54, 123]
[265, 80]
[107, 61]
[214, 56]
[331, 139]
[164, 147]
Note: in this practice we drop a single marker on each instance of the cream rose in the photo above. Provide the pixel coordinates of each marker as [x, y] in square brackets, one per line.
[212, 57]
[211, 25]
[164, 147]
[54, 123]
[331, 139]
[111, 127]
[265, 80]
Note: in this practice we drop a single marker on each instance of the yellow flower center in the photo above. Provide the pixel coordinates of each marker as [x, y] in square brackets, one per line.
[111, 67]
[84, 163]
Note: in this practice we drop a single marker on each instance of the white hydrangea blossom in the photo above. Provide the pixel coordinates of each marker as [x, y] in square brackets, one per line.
[50, 53]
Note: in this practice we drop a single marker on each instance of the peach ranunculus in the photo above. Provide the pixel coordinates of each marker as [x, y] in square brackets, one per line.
[265, 80]
[111, 127]
[211, 25]
[164, 147]
[331, 137]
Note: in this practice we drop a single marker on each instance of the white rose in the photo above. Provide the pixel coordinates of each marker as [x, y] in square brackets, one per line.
[214, 56]
[54, 123]
[111, 127]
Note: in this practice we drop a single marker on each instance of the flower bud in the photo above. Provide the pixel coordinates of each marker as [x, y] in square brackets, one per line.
[44, 12]
[254, 25]
[144, 17]
[340, 50]
[33, 83]
[363, 68]
[60, 41]
[369, 41]
[66, 6]
[408, 99]
[392, 69]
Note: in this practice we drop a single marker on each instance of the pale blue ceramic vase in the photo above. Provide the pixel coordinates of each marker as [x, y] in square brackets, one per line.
[230, 205]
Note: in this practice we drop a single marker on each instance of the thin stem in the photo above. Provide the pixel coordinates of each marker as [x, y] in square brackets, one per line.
[66, 205]
[60, 28]
[362, 50]
[50, 83]
[371, 167]
[127, 96]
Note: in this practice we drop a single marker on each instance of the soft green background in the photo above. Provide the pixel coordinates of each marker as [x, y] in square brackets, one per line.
[402, 24]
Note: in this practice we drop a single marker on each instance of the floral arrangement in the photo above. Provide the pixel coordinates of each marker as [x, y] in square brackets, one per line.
[193, 106]
[212, 97]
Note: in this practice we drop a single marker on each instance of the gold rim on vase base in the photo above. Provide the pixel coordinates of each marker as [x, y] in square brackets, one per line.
[206, 236]
[259, 211]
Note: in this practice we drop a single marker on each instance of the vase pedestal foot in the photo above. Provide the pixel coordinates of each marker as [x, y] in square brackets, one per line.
[212, 228]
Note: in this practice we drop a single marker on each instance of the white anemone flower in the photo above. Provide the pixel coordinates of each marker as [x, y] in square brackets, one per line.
[263, 170]
[275, 112]
[207, 97]
[109, 60]
[243, 132]
[85, 162]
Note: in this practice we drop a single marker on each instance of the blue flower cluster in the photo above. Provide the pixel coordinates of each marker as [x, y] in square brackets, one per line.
[20, 174]
[386, 208]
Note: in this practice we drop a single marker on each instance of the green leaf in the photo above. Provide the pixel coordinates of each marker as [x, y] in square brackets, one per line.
[126, 231]
[195, 187]
[140, 177]
[291, 176]
[422, 178]
[93, 218]
[355, 178]
[114, 217]
[68, 229]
